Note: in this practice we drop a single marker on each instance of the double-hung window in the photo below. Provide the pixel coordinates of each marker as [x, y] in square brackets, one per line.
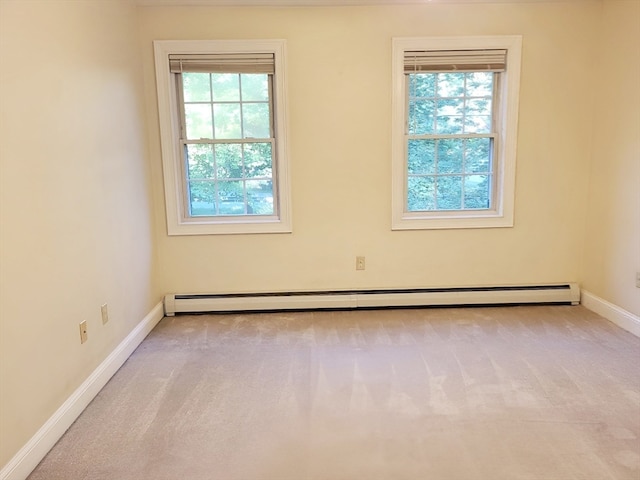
[454, 131]
[222, 119]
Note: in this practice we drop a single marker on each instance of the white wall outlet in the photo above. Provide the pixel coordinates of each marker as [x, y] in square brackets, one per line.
[359, 263]
[83, 332]
[105, 313]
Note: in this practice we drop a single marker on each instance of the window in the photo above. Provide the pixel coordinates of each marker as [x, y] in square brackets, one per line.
[454, 131]
[222, 125]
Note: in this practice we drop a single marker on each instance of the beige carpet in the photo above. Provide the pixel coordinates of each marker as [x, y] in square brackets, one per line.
[544, 393]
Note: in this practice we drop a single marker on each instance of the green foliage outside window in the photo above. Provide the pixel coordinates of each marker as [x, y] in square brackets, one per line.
[227, 177]
[449, 146]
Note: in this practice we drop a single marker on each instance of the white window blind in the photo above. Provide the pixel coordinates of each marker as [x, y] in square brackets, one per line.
[494, 60]
[223, 63]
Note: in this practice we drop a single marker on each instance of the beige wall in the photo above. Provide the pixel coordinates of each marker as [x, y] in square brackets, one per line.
[613, 228]
[76, 229]
[339, 96]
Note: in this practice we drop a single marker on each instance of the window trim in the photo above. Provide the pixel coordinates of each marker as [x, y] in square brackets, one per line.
[173, 171]
[502, 213]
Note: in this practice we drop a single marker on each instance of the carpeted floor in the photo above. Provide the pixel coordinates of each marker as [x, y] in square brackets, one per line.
[535, 393]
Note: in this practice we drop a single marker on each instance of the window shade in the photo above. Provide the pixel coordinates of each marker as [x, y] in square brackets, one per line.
[455, 61]
[223, 63]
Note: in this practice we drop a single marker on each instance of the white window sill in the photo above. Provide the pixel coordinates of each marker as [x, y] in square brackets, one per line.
[229, 227]
[452, 220]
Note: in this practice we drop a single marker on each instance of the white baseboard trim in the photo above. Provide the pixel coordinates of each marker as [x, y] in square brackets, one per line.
[611, 312]
[29, 456]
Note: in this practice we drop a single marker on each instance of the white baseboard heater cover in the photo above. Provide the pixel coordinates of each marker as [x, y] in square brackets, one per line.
[567, 293]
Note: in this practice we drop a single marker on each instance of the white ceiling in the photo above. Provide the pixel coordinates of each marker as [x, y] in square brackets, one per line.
[311, 3]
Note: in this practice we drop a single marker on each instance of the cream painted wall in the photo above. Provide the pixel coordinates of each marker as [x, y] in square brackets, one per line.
[75, 206]
[339, 86]
[613, 230]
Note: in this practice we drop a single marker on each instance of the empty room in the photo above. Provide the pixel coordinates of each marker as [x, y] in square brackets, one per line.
[320, 239]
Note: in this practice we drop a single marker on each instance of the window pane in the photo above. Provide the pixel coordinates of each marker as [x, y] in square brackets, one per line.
[227, 120]
[257, 160]
[201, 198]
[420, 194]
[477, 124]
[231, 198]
[256, 120]
[259, 197]
[450, 155]
[449, 193]
[199, 161]
[450, 106]
[477, 191]
[478, 106]
[198, 121]
[226, 87]
[421, 156]
[228, 160]
[451, 84]
[196, 87]
[255, 87]
[422, 85]
[449, 124]
[449, 118]
[480, 84]
[478, 155]
[421, 113]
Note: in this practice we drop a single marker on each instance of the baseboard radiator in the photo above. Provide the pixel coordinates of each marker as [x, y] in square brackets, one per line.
[555, 294]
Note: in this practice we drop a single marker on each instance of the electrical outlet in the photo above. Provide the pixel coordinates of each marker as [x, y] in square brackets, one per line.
[105, 313]
[359, 263]
[638, 279]
[83, 331]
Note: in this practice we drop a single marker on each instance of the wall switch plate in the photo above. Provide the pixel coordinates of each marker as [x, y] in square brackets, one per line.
[638, 279]
[359, 263]
[105, 313]
[83, 332]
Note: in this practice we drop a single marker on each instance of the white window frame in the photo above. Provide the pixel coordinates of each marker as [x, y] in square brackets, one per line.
[502, 212]
[178, 222]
